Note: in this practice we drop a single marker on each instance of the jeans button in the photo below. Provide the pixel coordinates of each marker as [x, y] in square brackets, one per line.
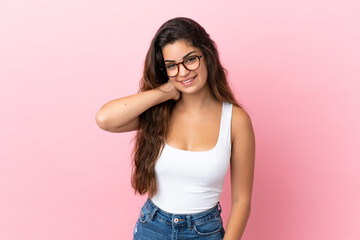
[176, 220]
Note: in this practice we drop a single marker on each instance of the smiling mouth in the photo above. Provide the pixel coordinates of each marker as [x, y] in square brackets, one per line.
[188, 80]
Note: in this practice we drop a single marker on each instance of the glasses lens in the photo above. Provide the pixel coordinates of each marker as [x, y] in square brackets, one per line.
[192, 62]
[171, 69]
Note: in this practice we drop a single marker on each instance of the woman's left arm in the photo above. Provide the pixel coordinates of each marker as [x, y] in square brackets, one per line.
[242, 173]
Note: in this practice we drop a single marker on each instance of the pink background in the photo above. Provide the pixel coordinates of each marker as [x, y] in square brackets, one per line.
[294, 66]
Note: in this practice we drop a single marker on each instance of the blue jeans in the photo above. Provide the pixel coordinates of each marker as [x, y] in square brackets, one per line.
[156, 224]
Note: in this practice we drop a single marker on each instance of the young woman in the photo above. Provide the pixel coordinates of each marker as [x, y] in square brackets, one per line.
[189, 130]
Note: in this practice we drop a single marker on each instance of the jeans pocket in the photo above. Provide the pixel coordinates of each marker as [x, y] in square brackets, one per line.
[210, 227]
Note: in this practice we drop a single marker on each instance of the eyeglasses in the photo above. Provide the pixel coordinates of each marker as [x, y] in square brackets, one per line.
[190, 63]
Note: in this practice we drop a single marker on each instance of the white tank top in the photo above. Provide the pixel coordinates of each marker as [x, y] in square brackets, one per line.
[192, 181]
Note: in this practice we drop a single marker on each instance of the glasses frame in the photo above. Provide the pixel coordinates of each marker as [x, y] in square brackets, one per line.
[177, 65]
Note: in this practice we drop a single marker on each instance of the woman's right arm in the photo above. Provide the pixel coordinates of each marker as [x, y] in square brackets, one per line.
[122, 114]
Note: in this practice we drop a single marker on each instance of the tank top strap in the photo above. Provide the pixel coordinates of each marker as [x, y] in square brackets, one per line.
[225, 127]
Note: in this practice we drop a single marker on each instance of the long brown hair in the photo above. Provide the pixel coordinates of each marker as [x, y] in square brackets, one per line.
[154, 122]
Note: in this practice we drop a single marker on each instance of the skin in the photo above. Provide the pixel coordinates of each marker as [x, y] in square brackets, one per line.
[195, 125]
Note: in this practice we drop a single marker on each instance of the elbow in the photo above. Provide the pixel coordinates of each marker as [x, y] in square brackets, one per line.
[100, 121]
[243, 204]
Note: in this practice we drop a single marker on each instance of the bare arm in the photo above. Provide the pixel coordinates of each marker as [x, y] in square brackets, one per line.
[121, 115]
[242, 173]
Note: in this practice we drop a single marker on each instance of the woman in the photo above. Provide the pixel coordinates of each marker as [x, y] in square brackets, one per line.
[189, 129]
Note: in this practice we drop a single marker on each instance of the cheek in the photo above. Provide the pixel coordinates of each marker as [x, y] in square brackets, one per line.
[173, 81]
[204, 73]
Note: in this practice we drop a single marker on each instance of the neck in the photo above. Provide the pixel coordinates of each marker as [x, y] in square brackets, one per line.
[196, 102]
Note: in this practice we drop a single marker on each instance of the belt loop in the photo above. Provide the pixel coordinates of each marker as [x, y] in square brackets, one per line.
[189, 221]
[218, 203]
[152, 213]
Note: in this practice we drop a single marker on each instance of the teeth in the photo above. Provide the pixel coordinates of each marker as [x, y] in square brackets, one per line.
[188, 80]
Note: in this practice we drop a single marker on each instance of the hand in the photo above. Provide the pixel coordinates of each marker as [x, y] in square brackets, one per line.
[171, 91]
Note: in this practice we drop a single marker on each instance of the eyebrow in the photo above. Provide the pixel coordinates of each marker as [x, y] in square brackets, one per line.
[182, 58]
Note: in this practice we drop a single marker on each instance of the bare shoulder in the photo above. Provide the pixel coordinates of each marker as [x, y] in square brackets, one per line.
[241, 125]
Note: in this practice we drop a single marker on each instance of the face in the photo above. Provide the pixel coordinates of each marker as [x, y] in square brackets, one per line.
[176, 52]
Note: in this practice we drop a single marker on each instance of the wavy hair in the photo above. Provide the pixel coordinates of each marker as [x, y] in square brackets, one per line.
[154, 122]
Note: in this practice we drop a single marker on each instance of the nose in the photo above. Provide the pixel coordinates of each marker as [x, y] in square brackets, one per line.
[182, 70]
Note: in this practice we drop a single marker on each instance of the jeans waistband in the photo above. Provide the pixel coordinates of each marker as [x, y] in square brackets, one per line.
[182, 219]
